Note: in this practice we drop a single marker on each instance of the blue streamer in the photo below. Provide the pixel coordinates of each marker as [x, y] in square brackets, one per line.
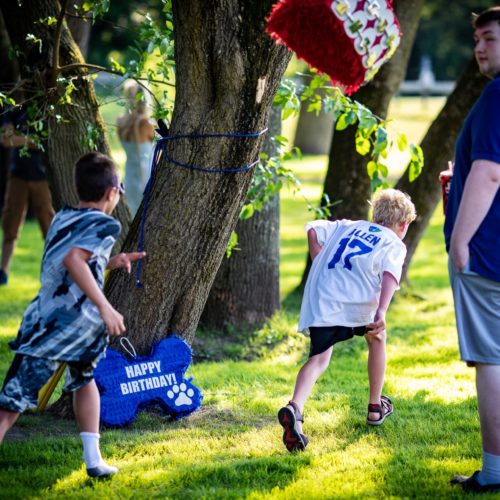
[161, 149]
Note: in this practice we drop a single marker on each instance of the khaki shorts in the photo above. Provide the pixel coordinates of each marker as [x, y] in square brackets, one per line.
[19, 193]
[477, 311]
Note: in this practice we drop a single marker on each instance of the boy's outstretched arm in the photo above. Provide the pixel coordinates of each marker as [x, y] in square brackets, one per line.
[314, 246]
[125, 260]
[75, 262]
[389, 286]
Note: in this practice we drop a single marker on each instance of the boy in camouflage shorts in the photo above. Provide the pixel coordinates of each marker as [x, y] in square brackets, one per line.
[70, 318]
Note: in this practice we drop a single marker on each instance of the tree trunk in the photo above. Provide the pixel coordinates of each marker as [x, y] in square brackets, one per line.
[347, 180]
[438, 146]
[9, 75]
[246, 289]
[314, 132]
[227, 72]
[67, 139]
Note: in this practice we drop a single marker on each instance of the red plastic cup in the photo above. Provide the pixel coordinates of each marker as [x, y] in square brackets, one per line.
[445, 179]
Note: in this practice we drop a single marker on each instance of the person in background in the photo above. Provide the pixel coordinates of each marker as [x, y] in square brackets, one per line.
[472, 235]
[136, 133]
[26, 184]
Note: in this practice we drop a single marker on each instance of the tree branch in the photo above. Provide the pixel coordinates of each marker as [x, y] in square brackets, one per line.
[57, 43]
[69, 67]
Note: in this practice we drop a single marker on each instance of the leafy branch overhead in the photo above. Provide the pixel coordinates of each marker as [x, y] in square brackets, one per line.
[154, 41]
[371, 137]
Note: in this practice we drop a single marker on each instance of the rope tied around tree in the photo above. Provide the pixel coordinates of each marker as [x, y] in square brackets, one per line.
[161, 150]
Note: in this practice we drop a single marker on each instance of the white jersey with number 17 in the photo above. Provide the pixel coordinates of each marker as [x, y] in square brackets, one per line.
[344, 283]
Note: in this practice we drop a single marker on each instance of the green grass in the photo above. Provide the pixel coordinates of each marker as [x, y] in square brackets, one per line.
[232, 447]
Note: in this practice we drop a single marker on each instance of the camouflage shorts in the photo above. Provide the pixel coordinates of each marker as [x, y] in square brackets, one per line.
[27, 375]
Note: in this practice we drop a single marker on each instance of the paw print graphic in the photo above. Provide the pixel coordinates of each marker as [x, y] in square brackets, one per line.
[183, 394]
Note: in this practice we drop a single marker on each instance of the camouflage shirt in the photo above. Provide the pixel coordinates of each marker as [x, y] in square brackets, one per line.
[61, 323]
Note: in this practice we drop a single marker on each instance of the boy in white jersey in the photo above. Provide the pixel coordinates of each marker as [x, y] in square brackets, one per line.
[355, 271]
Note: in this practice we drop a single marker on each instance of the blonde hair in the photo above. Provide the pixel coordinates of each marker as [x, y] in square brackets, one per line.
[138, 103]
[137, 97]
[392, 207]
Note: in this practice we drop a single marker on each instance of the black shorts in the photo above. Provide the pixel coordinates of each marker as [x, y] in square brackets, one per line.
[323, 337]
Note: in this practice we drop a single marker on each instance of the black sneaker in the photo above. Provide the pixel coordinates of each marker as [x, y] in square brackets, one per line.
[4, 277]
[472, 484]
[288, 416]
[102, 471]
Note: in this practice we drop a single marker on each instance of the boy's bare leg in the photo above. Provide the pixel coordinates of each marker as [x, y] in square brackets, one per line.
[86, 404]
[307, 377]
[376, 368]
[7, 419]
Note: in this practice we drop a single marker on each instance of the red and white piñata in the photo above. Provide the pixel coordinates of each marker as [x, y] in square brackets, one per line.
[349, 40]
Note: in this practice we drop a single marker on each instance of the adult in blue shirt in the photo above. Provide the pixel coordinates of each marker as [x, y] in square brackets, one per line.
[472, 234]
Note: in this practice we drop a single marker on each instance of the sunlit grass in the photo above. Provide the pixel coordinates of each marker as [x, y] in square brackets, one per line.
[232, 448]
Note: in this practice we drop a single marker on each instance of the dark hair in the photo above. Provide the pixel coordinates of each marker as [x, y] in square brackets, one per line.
[485, 17]
[94, 173]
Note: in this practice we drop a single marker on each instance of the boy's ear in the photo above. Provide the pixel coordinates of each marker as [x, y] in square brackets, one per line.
[109, 193]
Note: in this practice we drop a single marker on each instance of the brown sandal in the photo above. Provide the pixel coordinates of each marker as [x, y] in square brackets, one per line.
[384, 409]
[288, 416]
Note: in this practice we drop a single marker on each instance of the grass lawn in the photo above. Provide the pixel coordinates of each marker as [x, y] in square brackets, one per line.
[232, 448]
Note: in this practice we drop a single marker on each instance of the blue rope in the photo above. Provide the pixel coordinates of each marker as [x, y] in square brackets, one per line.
[161, 149]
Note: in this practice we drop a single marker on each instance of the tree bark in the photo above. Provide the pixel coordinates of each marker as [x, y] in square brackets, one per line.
[9, 75]
[67, 139]
[246, 290]
[347, 180]
[438, 147]
[227, 72]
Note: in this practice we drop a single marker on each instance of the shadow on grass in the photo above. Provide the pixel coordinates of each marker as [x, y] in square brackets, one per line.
[413, 455]
[227, 477]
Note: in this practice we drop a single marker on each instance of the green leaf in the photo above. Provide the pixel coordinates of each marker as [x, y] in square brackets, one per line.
[371, 168]
[363, 146]
[247, 211]
[384, 171]
[415, 170]
[342, 122]
[376, 183]
[402, 142]
[416, 153]
[232, 244]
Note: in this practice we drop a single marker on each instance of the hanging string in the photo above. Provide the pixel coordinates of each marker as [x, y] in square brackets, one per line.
[128, 348]
[161, 150]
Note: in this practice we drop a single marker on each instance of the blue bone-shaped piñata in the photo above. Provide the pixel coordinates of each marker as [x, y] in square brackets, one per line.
[129, 385]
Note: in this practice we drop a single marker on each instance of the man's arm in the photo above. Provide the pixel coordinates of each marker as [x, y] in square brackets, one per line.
[480, 189]
[75, 262]
[314, 246]
[389, 286]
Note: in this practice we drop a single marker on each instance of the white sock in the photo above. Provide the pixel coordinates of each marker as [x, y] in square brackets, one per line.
[91, 452]
[490, 473]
